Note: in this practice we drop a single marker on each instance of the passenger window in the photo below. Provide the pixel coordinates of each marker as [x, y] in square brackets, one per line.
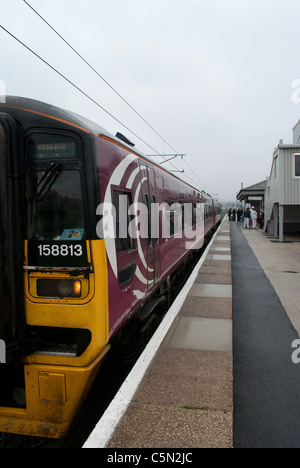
[155, 220]
[149, 220]
[183, 216]
[194, 216]
[122, 202]
[174, 213]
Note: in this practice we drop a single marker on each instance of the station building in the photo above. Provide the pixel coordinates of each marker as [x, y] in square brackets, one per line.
[253, 195]
[282, 198]
[279, 195]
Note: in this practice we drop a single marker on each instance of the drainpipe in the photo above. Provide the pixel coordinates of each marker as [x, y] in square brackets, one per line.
[281, 217]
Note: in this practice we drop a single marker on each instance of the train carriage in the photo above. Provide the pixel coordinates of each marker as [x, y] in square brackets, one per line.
[82, 251]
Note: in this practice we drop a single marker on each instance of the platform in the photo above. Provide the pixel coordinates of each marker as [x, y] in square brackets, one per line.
[281, 263]
[266, 380]
[219, 372]
[185, 399]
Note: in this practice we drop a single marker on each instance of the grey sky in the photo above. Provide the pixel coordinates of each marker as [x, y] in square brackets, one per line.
[213, 77]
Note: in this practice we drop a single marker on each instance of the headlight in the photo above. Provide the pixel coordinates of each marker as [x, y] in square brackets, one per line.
[65, 288]
[59, 288]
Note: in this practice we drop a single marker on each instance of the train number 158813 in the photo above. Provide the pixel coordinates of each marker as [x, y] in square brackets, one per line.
[63, 250]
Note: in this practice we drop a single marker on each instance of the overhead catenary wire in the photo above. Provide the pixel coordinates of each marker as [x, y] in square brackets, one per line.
[77, 87]
[99, 75]
[197, 177]
[158, 154]
[82, 92]
[91, 99]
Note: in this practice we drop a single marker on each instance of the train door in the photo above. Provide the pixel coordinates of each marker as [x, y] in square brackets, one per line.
[12, 314]
[152, 244]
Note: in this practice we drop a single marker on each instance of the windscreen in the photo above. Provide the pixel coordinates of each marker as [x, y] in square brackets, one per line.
[55, 209]
[55, 212]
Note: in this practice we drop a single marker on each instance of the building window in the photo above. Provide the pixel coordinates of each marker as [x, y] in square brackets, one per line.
[276, 167]
[297, 165]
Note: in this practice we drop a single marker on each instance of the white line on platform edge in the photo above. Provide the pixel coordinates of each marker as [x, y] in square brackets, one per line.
[105, 428]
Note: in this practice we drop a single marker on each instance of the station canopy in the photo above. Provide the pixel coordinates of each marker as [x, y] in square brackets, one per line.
[255, 194]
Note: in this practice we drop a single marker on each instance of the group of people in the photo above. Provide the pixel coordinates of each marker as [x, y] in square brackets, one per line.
[251, 217]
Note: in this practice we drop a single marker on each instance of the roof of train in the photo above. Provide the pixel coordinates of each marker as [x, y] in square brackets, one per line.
[42, 109]
[53, 112]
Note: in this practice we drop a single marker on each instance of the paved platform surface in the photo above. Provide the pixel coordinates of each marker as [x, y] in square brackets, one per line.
[186, 397]
[266, 381]
[281, 263]
[223, 376]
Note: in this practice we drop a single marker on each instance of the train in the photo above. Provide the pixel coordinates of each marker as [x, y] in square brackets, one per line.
[92, 235]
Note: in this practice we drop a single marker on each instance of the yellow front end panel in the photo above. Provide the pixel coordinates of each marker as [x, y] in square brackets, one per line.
[54, 394]
[57, 384]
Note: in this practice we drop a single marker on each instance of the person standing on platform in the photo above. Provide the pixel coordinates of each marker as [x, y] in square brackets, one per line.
[254, 217]
[239, 214]
[247, 216]
[261, 219]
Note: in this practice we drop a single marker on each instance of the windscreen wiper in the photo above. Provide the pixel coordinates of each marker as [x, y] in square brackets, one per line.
[47, 181]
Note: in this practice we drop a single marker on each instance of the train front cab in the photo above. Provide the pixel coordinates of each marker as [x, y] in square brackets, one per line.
[53, 283]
